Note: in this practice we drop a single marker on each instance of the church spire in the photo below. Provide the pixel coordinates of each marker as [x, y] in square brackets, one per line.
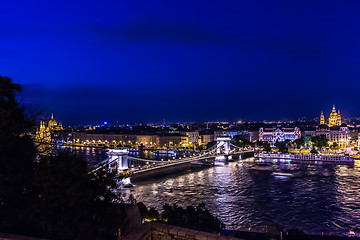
[339, 118]
[322, 118]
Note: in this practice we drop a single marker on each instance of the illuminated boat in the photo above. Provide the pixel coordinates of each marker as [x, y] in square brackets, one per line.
[262, 167]
[278, 172]
[307, 157]
[164, 152]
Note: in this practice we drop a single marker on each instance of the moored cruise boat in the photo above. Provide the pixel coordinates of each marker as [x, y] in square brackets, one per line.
[306, 157]
[273, 155]
[323, 158]
[164, 151]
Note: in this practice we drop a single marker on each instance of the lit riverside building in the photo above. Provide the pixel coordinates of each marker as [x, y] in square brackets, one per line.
[335, 130]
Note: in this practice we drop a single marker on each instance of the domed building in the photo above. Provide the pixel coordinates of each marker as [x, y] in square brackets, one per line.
[44, 132]
[335, 131]
[333, 120]
[53, 125]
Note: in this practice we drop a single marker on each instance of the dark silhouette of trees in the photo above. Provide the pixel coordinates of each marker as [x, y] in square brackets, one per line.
[283, 146]
[334, 146]
[198, 218]
[240, 141]
[210, 144]
[53, 196]
[17, 155]
[300, 142]
[71, 203]
[320, 141]
[265, 145]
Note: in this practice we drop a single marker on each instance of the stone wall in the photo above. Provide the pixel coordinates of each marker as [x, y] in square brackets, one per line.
[159, 231]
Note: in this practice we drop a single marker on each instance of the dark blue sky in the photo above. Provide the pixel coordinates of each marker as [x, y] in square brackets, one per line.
[142, 61]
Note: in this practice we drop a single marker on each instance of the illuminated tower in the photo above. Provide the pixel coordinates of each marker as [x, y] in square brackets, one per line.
[333, 119]
[322, 118]
[52, 123]
[339, 118]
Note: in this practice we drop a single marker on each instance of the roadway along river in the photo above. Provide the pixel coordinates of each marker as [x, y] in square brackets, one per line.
[322, 198]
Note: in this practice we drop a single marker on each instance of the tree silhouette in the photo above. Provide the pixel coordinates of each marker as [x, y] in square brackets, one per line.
[74, 204]
[17, 155]
[52, 196]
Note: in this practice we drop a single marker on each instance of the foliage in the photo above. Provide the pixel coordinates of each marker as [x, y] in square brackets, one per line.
[198, 218]
[334, 146]
[266, 146]
[319, 141]
[314, 151]
[282, 146]
[73, 204]
[300, 142]
[210, 144]
[240, 141]
[17, 155]
[142, 209]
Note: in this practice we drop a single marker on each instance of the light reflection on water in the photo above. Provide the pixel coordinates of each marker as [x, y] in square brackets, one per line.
[322, 198]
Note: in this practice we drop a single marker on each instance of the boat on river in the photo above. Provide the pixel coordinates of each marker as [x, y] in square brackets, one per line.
[164, 152]
[279, 172]
[307, 157]
[262, 167]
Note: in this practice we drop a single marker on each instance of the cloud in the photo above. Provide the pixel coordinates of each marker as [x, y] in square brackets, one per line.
[148, 30]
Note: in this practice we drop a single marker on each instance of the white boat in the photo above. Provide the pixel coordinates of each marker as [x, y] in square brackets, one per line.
[278, 172]
[274, 155]
[306, 157]
[322, 158]
[164, 151]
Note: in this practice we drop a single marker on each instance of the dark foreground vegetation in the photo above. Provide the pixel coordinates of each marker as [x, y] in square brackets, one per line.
[198, 218]
[48, 195]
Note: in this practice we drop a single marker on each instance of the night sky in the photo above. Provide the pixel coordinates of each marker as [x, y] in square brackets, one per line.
[142, 61]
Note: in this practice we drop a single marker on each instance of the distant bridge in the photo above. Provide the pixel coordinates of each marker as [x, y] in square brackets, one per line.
[120, 162]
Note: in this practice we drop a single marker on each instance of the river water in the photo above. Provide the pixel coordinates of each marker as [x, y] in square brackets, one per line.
[321, 198]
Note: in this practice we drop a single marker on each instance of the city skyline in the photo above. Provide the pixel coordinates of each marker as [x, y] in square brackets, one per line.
[327, 112]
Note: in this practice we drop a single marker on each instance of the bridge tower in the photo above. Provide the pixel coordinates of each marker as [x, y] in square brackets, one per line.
[223, 145]
[119, 163]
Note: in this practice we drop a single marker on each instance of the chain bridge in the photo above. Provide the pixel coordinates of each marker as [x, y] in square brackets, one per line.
[127, 167]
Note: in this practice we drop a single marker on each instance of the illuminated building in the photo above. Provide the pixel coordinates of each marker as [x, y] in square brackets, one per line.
[206, 138]
[338, 134]
[322, 118]
[334, 118]
[272, 135]
[252, 136]
[43, 133]
[193, 136]
[53, 125]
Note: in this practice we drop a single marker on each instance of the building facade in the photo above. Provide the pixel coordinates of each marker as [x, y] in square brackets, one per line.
[272, 135]
[341, 135]
[333, 120]
[46, 131]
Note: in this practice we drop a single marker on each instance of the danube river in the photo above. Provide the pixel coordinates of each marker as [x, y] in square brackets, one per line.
[322, 198]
